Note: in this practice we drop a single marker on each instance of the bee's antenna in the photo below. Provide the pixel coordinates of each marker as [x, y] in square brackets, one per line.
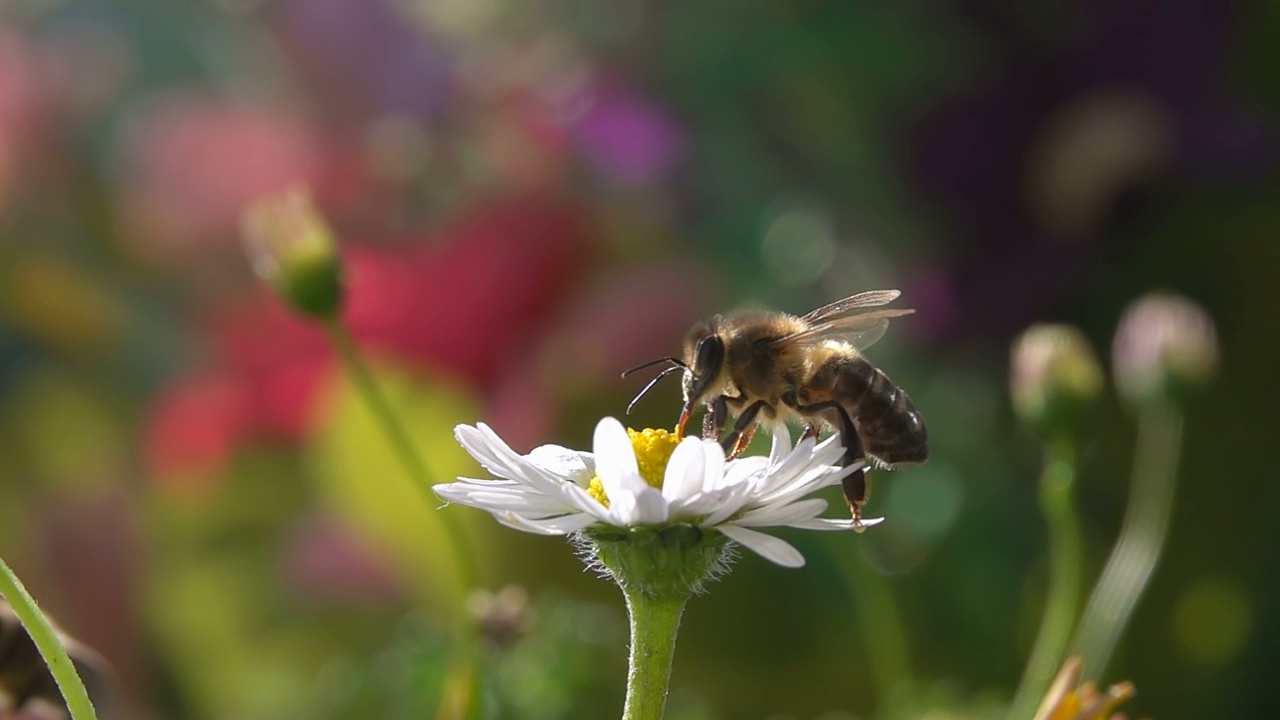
[677, 362]
[647, 388]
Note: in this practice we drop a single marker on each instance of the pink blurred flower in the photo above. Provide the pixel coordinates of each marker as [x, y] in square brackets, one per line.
[325, 562]
[21, 104]
[195, 161]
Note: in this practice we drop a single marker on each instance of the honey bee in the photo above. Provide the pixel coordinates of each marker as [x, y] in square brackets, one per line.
[769, 368]
[25, 680]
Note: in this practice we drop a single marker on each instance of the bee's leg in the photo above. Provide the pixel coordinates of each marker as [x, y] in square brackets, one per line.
[810, 431]
[744, 440]
[717, 415]
[709, 429]
[746, 419]
[855, 483]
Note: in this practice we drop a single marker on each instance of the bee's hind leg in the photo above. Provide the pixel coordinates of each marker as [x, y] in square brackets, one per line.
[855, 484]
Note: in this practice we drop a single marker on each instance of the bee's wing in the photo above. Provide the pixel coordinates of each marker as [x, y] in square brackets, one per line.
[871, 298]
[861, 330]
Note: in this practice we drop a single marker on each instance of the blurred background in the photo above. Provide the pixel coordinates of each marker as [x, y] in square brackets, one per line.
[535, 196]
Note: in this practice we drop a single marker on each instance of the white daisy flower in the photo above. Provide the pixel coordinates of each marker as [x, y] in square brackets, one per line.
[651, 479]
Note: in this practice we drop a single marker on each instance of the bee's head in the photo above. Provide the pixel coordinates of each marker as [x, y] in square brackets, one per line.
[704, 364]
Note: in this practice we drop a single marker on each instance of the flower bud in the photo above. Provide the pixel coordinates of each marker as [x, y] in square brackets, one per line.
[502, 617]
[291, 246]
[1165, 348]
[1055, 379]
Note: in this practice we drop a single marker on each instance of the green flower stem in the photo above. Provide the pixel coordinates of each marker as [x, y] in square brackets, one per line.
[46, 639]
[1057, 482]
[655, 621]
[1142, 536]
[403, 446]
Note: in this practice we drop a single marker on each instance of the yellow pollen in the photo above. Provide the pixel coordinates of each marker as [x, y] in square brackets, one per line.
[653, 449]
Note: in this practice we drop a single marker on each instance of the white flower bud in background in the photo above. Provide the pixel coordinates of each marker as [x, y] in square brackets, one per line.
[1165, 348]
[1055, 379]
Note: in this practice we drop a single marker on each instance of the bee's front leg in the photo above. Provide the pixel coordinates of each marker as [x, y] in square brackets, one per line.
[716, 416]
[744, 427]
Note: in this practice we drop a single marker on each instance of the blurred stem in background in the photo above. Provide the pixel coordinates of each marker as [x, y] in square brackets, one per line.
[882, 629]
[291, 246]
[1142, 536]
[1165, 350]
[1057, 501]
[460, 697]
[46, 639]
[1056, 381]
[405, 450]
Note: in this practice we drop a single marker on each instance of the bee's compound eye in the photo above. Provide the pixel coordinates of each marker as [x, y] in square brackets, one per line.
[708, 355]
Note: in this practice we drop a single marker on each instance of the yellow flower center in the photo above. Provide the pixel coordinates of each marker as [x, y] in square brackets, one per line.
[653, 451]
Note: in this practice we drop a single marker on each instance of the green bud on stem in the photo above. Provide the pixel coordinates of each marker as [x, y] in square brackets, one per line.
[291, 246]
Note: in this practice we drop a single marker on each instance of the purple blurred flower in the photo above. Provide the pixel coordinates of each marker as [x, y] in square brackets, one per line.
[364, 56]
[627, 136]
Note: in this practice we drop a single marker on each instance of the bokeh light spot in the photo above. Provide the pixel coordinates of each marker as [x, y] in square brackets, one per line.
[924, 501]
[799, 244]
[1211, 620]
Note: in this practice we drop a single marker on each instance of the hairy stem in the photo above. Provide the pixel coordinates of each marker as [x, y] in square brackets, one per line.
[654, 624]
[47, 642]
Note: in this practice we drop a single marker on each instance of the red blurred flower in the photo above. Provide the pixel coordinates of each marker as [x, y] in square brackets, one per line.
[470, 298]
[194, 424]
[475, 293]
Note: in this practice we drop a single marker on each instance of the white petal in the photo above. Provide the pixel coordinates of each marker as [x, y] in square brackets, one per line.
[518, 499]
[554, 526]
[643, 506]
[783, 514]
[792, 464]
[496, 456]
[745, 470]
[781, 444]
[811, 480]
[573, 465]
[729, 501]
[769, 547]
[586, 503]
[615, 457]
[834, 523]
[686, 471]
[714, 460]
